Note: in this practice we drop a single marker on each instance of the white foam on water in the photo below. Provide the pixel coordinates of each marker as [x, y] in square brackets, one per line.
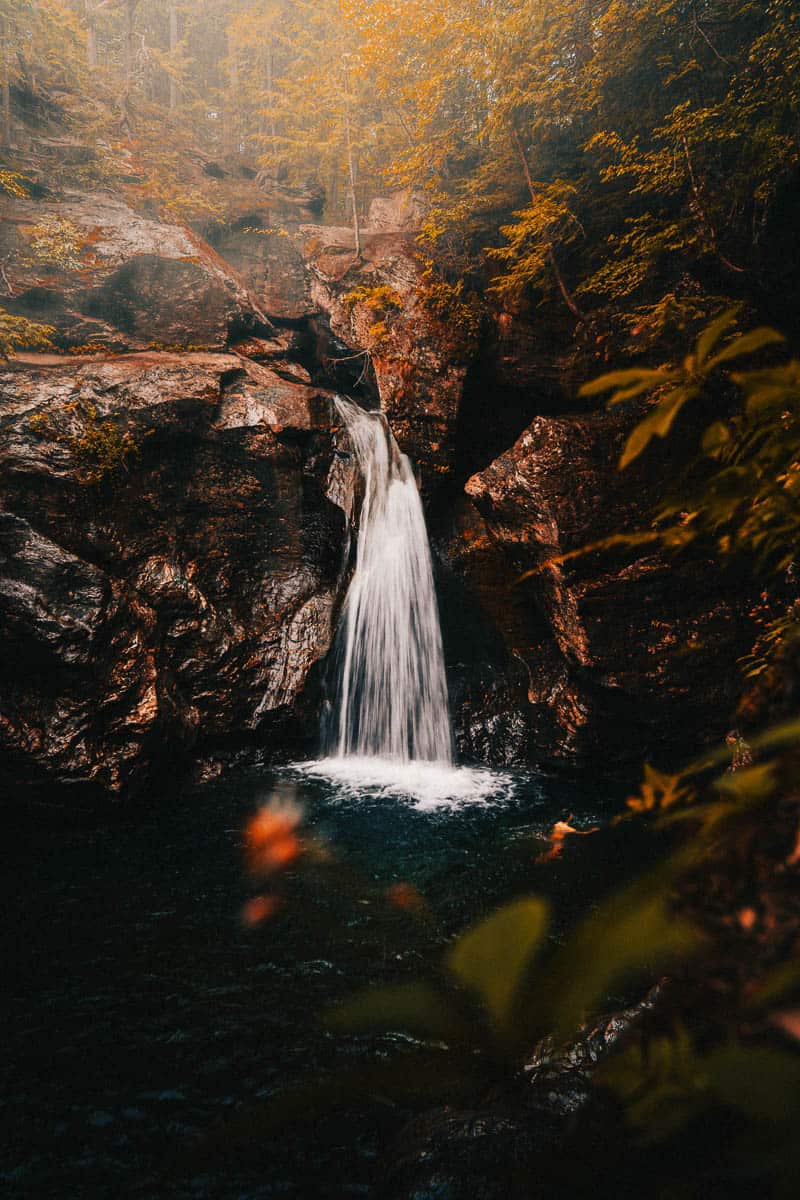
[429, 786]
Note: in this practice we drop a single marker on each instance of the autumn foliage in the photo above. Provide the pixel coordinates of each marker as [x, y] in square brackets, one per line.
[632, 164]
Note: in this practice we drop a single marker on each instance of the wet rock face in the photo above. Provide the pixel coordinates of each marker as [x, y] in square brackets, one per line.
[618, 654]
[176, 601]
[270, 262]
[174, 527]
[104, 275]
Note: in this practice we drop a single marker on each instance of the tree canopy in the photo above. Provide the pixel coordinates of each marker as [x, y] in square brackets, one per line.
[633, 159]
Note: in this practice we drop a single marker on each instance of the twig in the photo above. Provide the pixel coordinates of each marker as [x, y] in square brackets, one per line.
[350, 357]
[709, 43]
[363, 375]
[705, 222]
[10, 291]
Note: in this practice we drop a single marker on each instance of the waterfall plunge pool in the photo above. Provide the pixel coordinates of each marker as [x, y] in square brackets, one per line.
[140, 1012]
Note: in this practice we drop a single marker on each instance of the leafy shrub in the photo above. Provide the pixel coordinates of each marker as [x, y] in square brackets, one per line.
[99, 448]
[749, 503]
[18, 333]
[385, 303]
[14, 183]
[460, 310]
[57, 243]
[379, 299]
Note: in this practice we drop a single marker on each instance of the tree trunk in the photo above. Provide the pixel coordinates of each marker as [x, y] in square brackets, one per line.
[91, 35]
[271, 97]
[5, 83]
[351, 169]
[230, 110]
[561, 283]
[127, 37]
[173, 46]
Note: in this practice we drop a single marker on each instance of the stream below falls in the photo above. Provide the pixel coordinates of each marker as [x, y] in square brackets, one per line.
[141, 1013]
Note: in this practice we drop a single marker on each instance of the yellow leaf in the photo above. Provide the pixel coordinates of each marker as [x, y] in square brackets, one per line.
[657, 424]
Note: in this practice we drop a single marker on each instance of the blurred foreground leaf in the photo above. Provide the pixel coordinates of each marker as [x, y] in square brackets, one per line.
[782, 983]
[635, 934]
[491, 958]
[412, 1007]
[760, 1081]
[657, 423]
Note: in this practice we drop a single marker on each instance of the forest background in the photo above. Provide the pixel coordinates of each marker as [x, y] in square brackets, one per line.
[629, 167]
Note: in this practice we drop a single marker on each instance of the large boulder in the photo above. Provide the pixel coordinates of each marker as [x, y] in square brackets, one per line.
[104, 275]
[172, 548]
[618, 653]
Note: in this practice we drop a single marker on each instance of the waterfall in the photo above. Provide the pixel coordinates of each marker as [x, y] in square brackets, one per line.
[391, 696]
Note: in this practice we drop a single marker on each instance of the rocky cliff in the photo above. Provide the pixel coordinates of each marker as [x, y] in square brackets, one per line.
[176, 495]
[623, 653]
[107, 277]
[171, 554]
[368, 323]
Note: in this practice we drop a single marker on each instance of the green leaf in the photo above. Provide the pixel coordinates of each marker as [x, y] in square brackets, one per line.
[656, 424]
[750, 786]
[766, 389]
[614, 542]
[490, 958]
[711, 335]
[411, 1007]
[710, 818]
[746, 343]
[634, 934]
[658, 1085]
[636, 378]
[631, 393]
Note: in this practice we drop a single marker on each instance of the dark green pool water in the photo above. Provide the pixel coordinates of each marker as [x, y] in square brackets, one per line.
[140, 1012]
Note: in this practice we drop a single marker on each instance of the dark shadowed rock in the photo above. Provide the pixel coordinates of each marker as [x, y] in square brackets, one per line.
[178, 598]
[270, 261]
[48, 595]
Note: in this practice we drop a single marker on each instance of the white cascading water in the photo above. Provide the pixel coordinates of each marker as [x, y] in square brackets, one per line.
[388, 731]
[392, 691]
